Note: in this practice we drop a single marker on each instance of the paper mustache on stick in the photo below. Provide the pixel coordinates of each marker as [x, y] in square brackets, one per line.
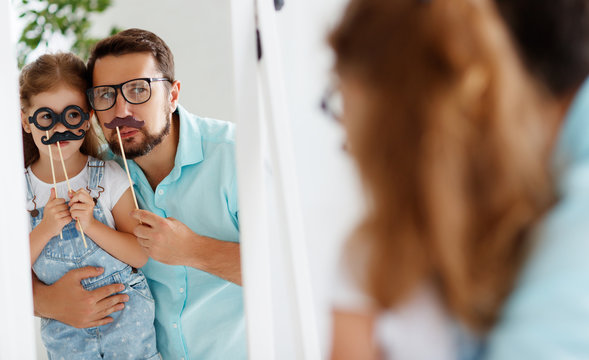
[53, 174]
[67, 181]
[63, 136]
[128, 121]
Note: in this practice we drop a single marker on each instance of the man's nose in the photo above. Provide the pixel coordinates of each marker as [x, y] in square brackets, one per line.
[121, 106]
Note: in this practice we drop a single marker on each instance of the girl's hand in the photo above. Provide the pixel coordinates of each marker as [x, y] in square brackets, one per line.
[56, 214]
[82, 208]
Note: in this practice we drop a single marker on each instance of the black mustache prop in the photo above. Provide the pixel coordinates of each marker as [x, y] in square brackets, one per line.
[126, 121]
[62, 136]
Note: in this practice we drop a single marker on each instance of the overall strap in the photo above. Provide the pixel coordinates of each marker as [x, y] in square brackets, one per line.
[30, 194]
[96, 173]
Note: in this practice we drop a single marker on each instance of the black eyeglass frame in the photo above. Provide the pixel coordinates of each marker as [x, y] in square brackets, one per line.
[55, 117]
[119, 87]
[326, 101]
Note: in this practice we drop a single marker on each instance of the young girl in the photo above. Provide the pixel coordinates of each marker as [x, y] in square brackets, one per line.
[55, 119]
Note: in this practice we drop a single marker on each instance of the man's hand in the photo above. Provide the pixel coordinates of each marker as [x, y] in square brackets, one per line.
[171, 242]
[166, 240]
[67, 301]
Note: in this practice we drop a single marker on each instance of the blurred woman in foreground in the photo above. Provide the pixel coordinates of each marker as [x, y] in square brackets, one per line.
[451, 138]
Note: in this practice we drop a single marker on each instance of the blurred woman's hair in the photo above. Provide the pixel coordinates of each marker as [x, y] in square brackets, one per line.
[453, 153]
[47, 73]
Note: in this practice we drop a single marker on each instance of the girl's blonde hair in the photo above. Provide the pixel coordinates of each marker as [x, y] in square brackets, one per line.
[45, 74]
[453, 154]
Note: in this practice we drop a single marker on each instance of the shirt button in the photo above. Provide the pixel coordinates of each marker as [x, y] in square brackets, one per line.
[181, 290]
[160, 191]
[174, 325]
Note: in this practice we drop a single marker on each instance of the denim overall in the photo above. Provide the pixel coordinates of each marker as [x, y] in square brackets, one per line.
[132, 334]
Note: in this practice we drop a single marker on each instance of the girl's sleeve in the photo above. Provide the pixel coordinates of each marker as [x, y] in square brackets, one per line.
[116, 182]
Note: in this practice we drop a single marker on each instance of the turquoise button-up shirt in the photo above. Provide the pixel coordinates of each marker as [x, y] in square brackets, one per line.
[198, 315]
[547, 316]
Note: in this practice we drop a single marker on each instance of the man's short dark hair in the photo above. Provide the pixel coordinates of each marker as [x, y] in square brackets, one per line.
[553, 39]
[134, 41]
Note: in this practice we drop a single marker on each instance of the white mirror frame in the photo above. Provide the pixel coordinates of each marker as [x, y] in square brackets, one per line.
[264, 134]
[16, 305]
[16, 329]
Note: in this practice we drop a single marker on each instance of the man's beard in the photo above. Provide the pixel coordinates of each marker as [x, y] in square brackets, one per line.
[150, 141]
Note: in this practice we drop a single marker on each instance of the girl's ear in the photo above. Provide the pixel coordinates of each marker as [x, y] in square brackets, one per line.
[91, 118]
[25, 122]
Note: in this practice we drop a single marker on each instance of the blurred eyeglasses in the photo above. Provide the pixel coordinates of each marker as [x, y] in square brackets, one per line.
[135, 91]
[332, 103]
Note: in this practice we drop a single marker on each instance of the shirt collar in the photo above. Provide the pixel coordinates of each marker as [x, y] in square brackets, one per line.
[189, 149]
[572, 146]
[188, 152]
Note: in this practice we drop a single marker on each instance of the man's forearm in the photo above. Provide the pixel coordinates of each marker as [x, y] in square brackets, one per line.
[37, 296]
[217, 257]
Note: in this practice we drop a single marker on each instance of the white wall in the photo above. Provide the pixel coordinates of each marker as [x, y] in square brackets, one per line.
[199, 35]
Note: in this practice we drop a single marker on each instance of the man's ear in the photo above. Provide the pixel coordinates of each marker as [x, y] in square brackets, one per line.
[24, 119]
[174, 95]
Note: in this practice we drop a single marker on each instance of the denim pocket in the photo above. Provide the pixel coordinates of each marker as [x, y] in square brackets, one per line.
[154, 357]
[71, 248]
[98, 282]
[138, 284]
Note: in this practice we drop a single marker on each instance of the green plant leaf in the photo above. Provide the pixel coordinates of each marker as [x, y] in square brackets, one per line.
[69, 18]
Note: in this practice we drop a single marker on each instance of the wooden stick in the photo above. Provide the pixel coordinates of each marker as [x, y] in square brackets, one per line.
[67, 180]
[127, 169]
[53, 174]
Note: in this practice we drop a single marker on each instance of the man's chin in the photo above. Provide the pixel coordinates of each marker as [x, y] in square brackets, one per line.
[135, 154]
[136, 147]
[131, 152]
[137, 151]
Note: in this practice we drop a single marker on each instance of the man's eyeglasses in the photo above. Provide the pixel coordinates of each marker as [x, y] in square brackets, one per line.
[332, 103]
[135, 91]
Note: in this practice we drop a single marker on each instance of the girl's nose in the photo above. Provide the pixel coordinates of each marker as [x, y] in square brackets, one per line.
[59, 127]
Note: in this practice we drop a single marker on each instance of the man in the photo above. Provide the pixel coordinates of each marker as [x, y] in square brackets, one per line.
[547, 315]
[183, 169]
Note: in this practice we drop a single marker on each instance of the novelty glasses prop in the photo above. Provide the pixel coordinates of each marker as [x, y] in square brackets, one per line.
[72, 117]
